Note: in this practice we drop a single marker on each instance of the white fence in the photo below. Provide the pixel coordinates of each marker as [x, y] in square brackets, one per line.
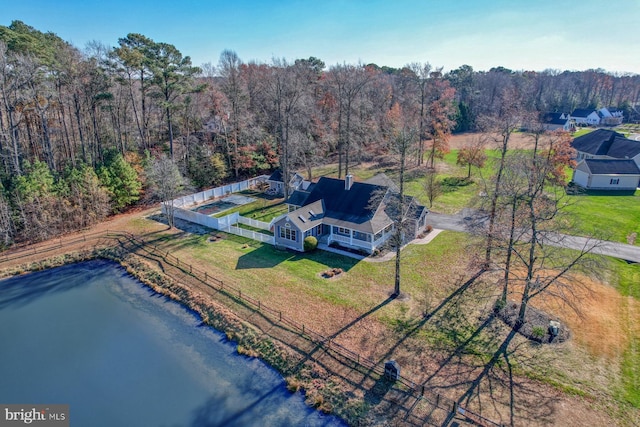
[254, 223]
[195, 217]
[265, 238]
[213, 193]
[225, 223]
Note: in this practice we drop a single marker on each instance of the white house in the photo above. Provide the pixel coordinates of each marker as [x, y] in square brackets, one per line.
[557, 121]
[610, 116]
[350, 214]
[585, 117]
[606, 161]
[605, 174]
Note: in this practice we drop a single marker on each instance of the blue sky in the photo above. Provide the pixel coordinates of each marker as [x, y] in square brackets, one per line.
[521, 35]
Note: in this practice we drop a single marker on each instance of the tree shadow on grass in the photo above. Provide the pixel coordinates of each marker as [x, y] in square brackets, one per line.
[263, 257]
[266, 256]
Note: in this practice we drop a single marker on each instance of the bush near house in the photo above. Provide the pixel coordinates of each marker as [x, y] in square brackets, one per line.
[310, 243]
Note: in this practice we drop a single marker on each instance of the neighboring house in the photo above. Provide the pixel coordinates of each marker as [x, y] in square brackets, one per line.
[295, 182]
[610, 116]
[352, 214]
[557, 121]
[604, 174]
[618, 160]
[585, 117]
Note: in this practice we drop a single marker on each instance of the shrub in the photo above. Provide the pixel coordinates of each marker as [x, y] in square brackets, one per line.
[428, 228]
[310, 243]
[538, 332]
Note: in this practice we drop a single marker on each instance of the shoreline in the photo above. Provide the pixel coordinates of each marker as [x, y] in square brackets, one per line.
[248, 339]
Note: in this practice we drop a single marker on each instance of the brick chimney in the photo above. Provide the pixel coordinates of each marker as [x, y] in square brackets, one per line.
[348, 182]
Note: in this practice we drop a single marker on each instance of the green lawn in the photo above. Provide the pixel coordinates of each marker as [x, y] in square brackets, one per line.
[606, 215]
[264, 209]
[611, 217]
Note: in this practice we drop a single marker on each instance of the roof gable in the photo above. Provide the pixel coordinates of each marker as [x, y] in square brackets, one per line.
[555, 119]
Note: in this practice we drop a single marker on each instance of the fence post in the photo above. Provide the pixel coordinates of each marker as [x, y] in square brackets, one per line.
[258, 305]
[206, 278]
[240, 293]
[455, 408]
[190, 269]
[280, 316]
[303, 328]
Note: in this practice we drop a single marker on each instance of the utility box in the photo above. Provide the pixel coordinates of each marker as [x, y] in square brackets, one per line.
[392, 370]
[554, 328]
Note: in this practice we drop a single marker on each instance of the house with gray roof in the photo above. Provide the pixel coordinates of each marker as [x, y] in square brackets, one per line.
[557, 121]
[277, 182]
[606, 161]
[356, 215]
[585, 117]
[604, 174]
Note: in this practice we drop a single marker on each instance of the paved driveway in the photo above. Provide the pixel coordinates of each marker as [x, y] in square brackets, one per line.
[463, 222]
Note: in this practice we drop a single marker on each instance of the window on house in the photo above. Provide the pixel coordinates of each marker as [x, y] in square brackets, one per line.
[341, 231]
[287, 233]
[614, 181]
[362, 236]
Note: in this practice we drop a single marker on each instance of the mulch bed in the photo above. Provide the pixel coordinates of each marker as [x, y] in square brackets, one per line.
[535, 321]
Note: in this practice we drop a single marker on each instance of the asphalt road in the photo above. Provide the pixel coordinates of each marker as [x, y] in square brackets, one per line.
[463, 222]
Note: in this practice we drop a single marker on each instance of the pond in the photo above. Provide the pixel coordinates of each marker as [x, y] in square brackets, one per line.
[90, 336]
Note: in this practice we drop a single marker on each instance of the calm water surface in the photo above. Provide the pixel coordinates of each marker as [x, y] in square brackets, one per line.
[90, 336]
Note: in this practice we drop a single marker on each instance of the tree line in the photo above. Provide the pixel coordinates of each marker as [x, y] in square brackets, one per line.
[80, 129]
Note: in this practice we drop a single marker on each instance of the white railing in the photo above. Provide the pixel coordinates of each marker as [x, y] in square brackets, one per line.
[351, 242]
[340, 238]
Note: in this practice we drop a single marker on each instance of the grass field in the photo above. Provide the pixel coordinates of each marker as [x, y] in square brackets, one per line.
[601, 362]
[355, 309]
[612, 217]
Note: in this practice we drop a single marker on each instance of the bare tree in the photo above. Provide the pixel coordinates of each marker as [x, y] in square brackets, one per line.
[347, 82]
[285, 99]
[431, 186]
[233, 88]
[399, 208]
[166, 183]
[500, 126]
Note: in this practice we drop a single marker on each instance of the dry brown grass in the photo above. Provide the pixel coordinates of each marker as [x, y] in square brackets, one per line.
[516, 140]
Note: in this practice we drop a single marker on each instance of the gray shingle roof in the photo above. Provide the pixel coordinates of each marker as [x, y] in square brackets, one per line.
[612, 167]
[360, 208]
[603, 142]
[554, 119]
[581, 112]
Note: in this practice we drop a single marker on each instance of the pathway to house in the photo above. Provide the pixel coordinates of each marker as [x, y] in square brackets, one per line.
[391, 254]
[462, 222]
